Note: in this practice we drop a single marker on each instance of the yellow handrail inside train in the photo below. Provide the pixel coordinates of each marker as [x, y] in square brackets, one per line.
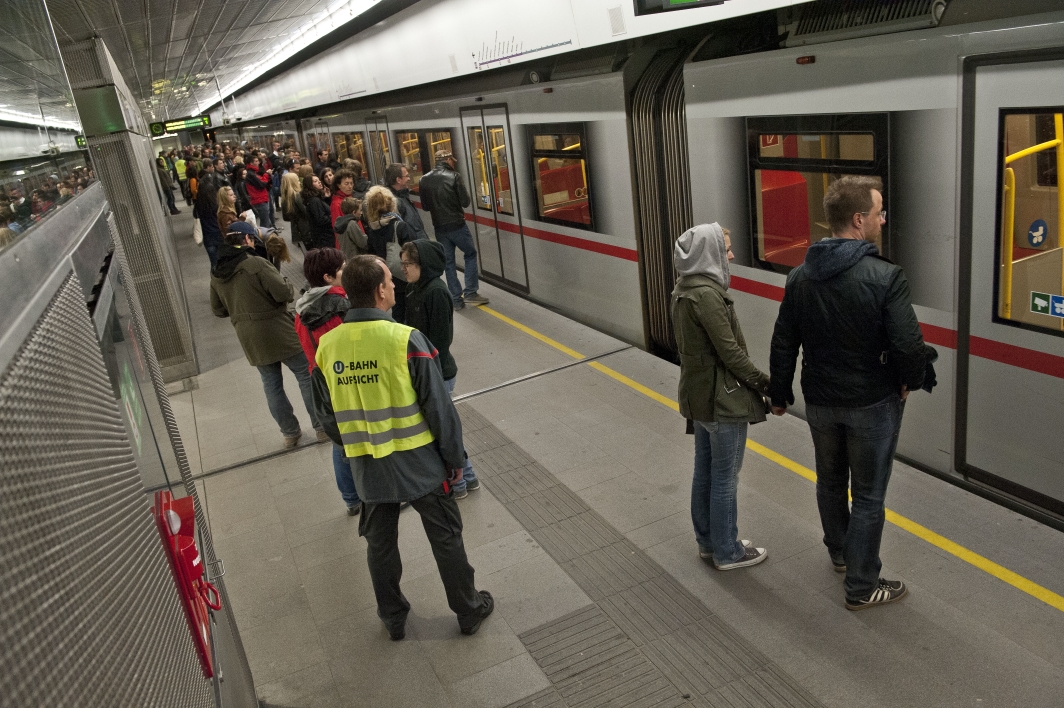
[1032, 150]
[1058, 127]
[1007, 240]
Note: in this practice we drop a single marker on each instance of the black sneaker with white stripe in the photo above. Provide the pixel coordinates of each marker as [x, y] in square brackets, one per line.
[886, 592]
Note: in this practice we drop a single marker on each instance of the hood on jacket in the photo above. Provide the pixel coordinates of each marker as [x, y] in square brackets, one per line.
[827, 258]
[312, 297]
[432, 259]
[229, 259]
[341, 224]
[362, 185]
[701, 250]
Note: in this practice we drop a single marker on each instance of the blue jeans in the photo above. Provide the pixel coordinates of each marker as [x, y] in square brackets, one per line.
[277, 400]
[263, 213]
[461, 239]
[719, 449]
[467, 472]
[212, 253]
[345, 481]
[854, 452]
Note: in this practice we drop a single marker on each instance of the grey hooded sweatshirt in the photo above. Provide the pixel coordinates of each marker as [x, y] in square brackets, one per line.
[713, 357]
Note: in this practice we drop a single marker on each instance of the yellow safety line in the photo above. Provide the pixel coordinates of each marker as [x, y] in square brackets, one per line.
[982, 563]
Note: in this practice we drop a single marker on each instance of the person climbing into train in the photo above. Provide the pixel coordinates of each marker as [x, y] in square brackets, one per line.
[379, 392]
[445, 197]
[429, 310]
[849, 310]
[319, 311]
[720, 391]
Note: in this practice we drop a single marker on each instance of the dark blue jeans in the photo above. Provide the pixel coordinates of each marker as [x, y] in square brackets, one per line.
[854, 453]
[277, 399]
[719, 449]
[345, 481]
[461, 239]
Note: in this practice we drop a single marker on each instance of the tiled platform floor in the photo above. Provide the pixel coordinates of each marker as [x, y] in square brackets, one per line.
[296, 568]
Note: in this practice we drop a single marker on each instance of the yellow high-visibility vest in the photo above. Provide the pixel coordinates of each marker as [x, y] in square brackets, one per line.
[373, 396]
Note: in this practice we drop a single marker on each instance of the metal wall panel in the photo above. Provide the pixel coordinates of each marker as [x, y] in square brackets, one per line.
[90, 615]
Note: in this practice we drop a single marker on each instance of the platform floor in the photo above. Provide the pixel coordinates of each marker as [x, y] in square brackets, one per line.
[582, 533]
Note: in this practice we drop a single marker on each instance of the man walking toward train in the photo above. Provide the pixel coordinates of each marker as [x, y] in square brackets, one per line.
[379, 392]
[849, 310]
[445, 197]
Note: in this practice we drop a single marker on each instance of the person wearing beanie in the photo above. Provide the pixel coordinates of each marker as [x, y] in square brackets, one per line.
[721, 391]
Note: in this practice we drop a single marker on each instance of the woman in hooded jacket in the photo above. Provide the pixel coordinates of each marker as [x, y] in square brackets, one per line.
[385, 225]
[240, 189]
[721, 391]
[319, 220]
[320, 310]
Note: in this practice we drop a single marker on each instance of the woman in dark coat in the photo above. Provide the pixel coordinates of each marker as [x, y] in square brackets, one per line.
[385, 225]
[243, 203]
[320, 234]
[206, 211]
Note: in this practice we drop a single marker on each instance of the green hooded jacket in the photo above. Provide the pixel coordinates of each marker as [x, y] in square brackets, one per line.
[712, 347]
[429, 306]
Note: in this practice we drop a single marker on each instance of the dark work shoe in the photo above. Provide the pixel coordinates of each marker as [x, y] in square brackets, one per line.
[475, 299]
[459, 305]
[473, 486]
[354, 509]
[753, 556]
[486, 609]
[839, 564]
[461, 493]
[398, 633]
[886, 592]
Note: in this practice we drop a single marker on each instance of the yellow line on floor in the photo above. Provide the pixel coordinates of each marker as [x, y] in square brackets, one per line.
[984, 564]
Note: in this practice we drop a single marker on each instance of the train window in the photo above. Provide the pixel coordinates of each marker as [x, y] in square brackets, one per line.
[792, 162]
[478, 154]
[438, 140]
[1029, 277]
[560, 174]
[410, 156]
[500, 170]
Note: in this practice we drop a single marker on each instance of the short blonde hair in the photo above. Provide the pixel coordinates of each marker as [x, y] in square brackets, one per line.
[379, 200]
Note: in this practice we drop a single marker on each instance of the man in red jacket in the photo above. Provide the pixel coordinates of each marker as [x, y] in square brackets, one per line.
[258, 184]
[321, 309]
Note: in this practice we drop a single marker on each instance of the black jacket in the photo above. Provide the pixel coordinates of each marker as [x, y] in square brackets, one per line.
[429, 305]
[408, 212]
[319, 221]
[243, 202]
[295, 213]
[444, 195]
[381, 232]
[850, 311]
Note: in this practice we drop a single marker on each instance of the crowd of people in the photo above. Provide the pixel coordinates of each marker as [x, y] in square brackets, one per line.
[369, 343]
[25, 202]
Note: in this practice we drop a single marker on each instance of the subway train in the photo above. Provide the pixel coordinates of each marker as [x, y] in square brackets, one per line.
[583, 171]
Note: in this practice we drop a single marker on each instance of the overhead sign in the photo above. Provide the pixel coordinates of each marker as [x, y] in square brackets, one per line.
[180, 125]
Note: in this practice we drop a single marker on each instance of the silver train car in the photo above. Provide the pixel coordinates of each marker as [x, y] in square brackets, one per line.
[583, 172]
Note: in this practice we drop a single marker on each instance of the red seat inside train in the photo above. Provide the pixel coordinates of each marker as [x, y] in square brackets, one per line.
[785, 210]
[568, 180]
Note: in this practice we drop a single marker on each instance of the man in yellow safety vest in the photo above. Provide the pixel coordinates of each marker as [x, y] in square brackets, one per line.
[379, 392]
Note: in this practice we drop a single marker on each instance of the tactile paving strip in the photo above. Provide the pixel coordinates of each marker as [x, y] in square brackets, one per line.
[645, 640]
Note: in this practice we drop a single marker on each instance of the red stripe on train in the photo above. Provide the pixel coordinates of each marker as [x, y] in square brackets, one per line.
[1009, 354]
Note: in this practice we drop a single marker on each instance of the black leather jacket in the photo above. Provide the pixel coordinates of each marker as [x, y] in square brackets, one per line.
[443, 194]
[850, 311]
[408, 212]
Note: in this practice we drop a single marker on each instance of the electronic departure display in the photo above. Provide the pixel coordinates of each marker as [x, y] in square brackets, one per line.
[181, 124]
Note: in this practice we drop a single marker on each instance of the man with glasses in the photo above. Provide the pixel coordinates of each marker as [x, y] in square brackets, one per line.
[850, 311]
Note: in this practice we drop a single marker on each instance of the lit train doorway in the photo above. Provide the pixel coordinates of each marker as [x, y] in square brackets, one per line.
[493, 189]
[1010, 349]
[380, 152]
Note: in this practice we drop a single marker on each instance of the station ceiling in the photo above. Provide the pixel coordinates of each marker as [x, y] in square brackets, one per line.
[172, 52]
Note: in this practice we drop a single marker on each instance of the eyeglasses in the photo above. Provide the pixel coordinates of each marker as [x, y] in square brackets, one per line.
[882, 214]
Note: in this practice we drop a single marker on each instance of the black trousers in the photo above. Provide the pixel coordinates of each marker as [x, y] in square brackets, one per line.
[379, 525]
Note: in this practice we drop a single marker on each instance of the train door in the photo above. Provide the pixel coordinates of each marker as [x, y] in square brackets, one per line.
[497, 215]
[1011, 329]
[380, 152]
